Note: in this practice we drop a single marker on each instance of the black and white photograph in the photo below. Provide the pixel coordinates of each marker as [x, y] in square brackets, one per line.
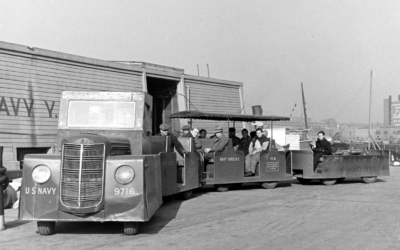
[199, 124]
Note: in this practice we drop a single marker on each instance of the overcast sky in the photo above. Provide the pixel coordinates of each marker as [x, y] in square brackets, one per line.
[270, 46]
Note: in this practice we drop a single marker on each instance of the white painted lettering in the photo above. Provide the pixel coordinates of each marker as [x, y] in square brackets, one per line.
[34, 190]
[26, 190]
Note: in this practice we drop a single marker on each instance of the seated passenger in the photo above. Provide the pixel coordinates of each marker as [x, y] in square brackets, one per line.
[235, 139]
[258, 144]
[218, 145]
[320, 148]
[203, 134]
[244, 143]
[193, 134]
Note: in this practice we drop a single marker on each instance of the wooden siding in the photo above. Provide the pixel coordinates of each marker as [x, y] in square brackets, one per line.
[214, 96]
[31, 84]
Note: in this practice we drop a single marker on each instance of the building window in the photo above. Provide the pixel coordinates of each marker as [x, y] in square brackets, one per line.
[385, 132]
[378, 132]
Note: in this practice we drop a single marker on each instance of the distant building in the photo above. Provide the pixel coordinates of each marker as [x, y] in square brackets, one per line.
[391, 111]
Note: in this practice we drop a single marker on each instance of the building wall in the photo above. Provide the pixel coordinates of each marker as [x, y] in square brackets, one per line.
[214, 96]
[32, 79]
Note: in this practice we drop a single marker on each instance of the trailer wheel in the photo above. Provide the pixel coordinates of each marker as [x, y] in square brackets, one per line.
[369, 180]
[304, 181]
[269, 185]
[9, 197]
[328, 182]
[131, 228]
[340, 180]
[187, 194]
[223, 188]
[46, 227]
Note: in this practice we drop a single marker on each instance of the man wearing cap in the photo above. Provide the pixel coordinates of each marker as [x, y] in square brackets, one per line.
[174, 141]
[185, 130]
[218, 145]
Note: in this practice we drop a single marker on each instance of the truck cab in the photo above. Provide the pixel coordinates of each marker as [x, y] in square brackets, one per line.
[106, 167]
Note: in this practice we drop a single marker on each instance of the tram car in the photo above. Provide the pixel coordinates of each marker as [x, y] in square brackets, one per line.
[367, 165]
[227, 168]
[107, 166]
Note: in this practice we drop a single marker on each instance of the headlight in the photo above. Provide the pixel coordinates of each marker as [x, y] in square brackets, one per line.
[124, 174]
[41, 174]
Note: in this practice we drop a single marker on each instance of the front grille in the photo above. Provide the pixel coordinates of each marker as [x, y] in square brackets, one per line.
[82, 175]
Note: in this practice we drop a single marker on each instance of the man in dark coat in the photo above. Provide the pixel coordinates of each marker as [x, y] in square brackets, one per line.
[218, 145]
[174, 140]
[244, 143]
[235, 139]
[321, 147]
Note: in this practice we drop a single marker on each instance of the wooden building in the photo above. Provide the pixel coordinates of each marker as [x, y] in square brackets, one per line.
[32, 79]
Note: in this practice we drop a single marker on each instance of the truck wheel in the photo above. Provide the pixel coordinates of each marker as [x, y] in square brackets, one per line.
[46, 227]
[9, 197]
[304, 181]
[369, 180]
[131, 228]
[187, 194]
[269, 185]
[328, 182]
[223, 188]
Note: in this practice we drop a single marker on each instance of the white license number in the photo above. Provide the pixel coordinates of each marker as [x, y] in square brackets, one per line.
[124, 191]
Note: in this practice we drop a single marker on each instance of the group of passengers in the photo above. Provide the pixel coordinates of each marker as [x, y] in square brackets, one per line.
[251, 146]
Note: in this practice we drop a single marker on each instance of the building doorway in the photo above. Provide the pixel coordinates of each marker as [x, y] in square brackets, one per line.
[164, 93]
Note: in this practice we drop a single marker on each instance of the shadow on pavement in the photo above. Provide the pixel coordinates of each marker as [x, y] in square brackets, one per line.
[166, 213]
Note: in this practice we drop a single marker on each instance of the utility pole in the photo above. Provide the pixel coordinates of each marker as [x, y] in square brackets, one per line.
[370, 108]
[304, 107]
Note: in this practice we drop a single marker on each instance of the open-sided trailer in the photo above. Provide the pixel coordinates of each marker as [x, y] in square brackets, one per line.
[228, 167]
[367, 165]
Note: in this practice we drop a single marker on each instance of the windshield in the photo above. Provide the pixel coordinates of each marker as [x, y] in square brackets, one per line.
[101, 114]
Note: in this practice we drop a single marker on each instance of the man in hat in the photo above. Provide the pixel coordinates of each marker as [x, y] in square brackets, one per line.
[185, 130]
[218, 145]
[164, 131]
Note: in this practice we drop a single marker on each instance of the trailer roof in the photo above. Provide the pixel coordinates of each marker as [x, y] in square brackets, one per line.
[226, 117]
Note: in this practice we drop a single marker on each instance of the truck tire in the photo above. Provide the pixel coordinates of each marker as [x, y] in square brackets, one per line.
[369, 180]
[328, 182]
[131, 228]
[223, 187]
[9, 197]
[46, 227]
[269, 185]
[186, 195]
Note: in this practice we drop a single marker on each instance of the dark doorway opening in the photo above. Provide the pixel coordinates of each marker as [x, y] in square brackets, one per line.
[164, 94]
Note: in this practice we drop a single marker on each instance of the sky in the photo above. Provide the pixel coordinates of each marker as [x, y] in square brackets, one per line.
[271, 46]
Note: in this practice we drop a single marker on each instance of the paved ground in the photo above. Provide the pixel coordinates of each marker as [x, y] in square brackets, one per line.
[352, 215]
